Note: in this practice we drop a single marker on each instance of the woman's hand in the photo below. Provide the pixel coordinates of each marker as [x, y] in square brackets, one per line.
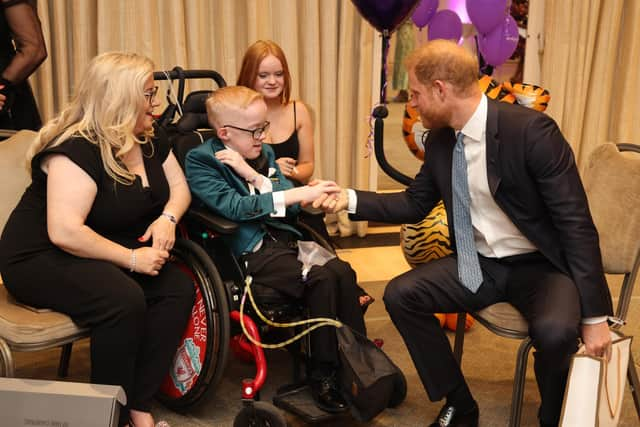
[3, 98]
[236, 162]
[287, 166]
[162, 232]
[150, 260]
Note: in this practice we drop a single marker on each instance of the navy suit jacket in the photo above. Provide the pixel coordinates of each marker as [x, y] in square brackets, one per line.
[533, 178]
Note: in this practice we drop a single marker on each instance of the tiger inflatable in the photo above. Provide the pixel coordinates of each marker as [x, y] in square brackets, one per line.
[429, 239]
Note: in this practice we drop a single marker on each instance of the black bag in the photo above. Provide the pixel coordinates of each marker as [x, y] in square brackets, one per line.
[371, 382]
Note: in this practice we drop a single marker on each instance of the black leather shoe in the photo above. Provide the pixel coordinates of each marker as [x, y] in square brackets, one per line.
[449, 416]
[327, 396]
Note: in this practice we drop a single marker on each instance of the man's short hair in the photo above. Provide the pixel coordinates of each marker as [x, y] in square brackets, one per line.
[447, 61]
[227, 100]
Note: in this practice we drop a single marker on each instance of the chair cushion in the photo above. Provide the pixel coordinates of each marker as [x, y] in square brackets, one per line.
[20, 325]
[503, 318]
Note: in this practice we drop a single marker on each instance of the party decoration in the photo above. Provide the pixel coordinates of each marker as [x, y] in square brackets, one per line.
[445, 24]
[451, 321]
[428, 239]
[424, 12]
[529, 95]
[385, 14]
[486, 14]
[413, 133]
[498, 45]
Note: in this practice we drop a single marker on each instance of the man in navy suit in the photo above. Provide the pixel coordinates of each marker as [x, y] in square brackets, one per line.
[532, 239]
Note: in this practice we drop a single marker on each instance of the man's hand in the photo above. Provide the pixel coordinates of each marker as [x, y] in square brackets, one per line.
[597, 340]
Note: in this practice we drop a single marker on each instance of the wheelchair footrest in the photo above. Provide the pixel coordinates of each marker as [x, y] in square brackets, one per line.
[298, 401]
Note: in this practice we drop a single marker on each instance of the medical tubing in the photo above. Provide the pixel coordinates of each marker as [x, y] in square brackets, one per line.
[320, 321]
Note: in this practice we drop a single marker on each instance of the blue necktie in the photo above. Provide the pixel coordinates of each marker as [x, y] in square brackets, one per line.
[468, 265]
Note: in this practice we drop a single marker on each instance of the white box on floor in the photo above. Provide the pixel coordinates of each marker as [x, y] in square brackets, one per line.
[59, 404]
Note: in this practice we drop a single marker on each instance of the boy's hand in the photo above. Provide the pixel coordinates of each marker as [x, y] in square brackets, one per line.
[236, 162]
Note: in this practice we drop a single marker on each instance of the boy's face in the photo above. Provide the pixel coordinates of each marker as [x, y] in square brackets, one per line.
[245, 130]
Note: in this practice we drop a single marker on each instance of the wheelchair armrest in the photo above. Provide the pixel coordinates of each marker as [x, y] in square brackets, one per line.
[215, 222]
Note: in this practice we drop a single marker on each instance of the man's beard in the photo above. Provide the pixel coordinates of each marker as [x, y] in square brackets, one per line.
[436, 120]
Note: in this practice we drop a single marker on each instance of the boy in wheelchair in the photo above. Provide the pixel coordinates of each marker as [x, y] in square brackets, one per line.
[236, 176]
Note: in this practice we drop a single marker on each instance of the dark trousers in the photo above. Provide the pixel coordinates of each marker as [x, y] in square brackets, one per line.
[329, 291]
[547, 298]
[136, 320]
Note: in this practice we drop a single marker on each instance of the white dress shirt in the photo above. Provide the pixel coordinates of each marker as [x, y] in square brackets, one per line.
[496, 236]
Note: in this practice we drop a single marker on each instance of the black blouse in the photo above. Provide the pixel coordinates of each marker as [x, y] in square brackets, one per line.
[120, 212]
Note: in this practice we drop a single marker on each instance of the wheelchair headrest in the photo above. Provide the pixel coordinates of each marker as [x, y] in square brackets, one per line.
[194, 112]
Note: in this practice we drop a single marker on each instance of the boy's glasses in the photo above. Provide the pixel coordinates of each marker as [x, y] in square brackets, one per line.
[255, 133]
[149, 95]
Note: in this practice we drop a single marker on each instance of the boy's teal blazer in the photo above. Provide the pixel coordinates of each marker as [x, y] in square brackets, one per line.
[225, 193]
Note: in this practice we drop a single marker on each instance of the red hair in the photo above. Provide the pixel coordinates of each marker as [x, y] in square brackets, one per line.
[254, 56]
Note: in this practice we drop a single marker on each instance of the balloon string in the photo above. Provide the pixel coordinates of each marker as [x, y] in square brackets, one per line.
[386, 43]
[385, 54]
[369, 145]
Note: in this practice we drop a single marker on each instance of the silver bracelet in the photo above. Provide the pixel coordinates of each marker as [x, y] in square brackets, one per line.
[170, 217]
[132, 267]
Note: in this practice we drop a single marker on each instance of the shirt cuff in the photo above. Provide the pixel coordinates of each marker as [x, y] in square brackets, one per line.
[266, 186]
[279, 207]
[594, 320]
[352, 201]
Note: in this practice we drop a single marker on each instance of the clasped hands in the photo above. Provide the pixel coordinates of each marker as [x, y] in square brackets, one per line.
[151, 259]
[334, 199]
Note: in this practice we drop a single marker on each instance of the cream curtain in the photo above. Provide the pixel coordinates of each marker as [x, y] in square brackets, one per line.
[591, 66]
[328, 45]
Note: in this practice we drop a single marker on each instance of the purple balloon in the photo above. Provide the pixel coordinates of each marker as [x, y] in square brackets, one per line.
[486, 14]
[498, 45]
[424, 12]
[385, 14]
[445, 24]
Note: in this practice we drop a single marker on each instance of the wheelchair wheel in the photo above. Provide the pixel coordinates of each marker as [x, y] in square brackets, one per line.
[260, 414]
[202, 353]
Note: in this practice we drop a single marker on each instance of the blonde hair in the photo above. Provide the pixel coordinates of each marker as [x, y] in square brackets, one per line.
[104, 111]
[252, 59]
[447, 61]
[229, 99]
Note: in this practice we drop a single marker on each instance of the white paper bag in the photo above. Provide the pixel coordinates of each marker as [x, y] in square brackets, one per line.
[595, 388]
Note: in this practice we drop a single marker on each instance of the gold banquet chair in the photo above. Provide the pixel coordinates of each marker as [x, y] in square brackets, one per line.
[24, 328]
[612, 182]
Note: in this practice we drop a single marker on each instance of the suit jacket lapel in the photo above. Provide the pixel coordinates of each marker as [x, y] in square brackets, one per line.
[494, 174]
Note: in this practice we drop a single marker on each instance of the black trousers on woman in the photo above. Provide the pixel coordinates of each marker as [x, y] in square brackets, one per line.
[136, 320]
[546, 297]
[329, 291]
